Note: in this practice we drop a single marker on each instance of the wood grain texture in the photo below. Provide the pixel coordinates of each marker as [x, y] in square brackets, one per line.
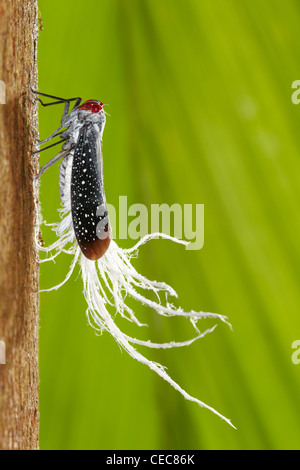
[19, 416]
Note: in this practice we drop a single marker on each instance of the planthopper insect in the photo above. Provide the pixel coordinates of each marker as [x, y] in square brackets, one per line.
[83, 140]
[84, 232]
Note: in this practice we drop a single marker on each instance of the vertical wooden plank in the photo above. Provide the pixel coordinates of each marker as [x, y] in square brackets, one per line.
[19, 423]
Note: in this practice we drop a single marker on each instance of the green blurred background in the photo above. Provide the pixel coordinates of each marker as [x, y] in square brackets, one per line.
[200, 108]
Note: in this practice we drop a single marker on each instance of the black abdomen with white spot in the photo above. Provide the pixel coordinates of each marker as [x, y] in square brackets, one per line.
[87, 195]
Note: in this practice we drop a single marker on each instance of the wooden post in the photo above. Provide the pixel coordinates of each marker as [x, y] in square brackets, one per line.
[19, 416]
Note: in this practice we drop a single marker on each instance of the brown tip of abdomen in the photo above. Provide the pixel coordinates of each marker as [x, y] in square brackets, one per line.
[96, 249]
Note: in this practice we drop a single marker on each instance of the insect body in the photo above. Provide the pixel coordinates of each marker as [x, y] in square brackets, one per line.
[82, 154]
[106, 282]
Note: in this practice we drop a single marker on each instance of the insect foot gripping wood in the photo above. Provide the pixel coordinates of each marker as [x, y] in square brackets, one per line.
[84, 233]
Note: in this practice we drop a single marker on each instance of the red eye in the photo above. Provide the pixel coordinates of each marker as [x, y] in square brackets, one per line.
[91, 105]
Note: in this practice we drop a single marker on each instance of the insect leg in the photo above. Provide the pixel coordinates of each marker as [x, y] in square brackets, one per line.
[53, 160]
[41, 142]
[49, 146]
[59, 101]
[67, 105]
[63, 119]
